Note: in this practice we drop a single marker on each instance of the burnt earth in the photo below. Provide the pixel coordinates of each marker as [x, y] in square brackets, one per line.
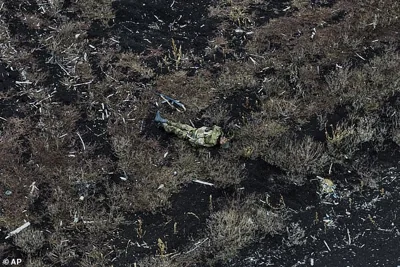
[306, 91]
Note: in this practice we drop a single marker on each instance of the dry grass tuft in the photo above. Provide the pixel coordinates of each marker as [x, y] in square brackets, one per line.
[30, 240]
[235, 227]
[298, 157]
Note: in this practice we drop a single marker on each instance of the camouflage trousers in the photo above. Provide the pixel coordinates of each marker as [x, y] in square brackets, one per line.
[203, 136]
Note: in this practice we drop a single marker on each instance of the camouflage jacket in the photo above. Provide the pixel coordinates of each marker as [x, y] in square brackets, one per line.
[203, 136]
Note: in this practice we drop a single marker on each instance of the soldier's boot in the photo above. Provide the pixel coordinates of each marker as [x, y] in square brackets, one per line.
[159, 119]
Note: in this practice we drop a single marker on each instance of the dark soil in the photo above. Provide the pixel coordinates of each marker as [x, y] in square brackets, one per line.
[306, 91]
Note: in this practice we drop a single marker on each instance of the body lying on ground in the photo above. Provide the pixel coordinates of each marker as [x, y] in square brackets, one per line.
[203, 136]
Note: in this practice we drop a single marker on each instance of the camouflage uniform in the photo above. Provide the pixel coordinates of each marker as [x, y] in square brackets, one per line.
[204, 136]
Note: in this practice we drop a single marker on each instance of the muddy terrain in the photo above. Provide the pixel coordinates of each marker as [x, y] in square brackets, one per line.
[307, 92]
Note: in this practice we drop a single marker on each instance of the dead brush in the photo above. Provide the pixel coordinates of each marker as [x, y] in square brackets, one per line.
[151, 261]
[133, 157]
[65, 35]
[216, 115]
[218, 44]
[236, 11]
[338, 80]
[98, 10]
[196, 91]
[373, 15]
[236, 225]
[230, 230]
[280, 108]
[65, 44]
[36, 75]
[145, 171]
[52, 7]
[14, 206]
[341, 139]
[395, 130]
[256, 136]
[129, 64]
[30, 240]
[238, 16]
[61, 251]
[222, 171]
[297, 157]
[34, 262]
[11, 147]
[97, 219]
[296, 235]
[97, 256]
[236, 76]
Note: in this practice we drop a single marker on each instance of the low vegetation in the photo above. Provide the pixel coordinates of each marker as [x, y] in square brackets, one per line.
[298, 86]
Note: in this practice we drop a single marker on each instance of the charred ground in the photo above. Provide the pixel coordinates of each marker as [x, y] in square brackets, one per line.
[307, 90]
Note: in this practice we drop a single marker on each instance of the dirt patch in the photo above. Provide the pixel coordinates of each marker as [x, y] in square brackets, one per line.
[148, 27]
[183, 221]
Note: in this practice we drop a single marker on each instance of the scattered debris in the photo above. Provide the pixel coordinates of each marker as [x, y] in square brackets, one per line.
[161, 186]
[33, 188]
[326, 244]
[19, 229]
[83, 144]
[172, 102]
[326, 185]
[202, 182]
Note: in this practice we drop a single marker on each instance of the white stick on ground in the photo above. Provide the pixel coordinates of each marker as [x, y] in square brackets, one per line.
[202, 182]
[326, 244]
[83, 144]
[19, 229]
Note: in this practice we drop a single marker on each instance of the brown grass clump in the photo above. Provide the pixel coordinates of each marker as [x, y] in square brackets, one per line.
[129, 65]
[29, 240]
[257, 135]
[61, 249]
[141, 160]
[195, 92]
[12, 149]
[234, 227]
[236, 76]
[237, 13]
[230, 230]
[297, 157]
[158, 261]
[222, 171]
[96, 10]
[345, 138]
[84, 154]
[53, 135]
[95, 257]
